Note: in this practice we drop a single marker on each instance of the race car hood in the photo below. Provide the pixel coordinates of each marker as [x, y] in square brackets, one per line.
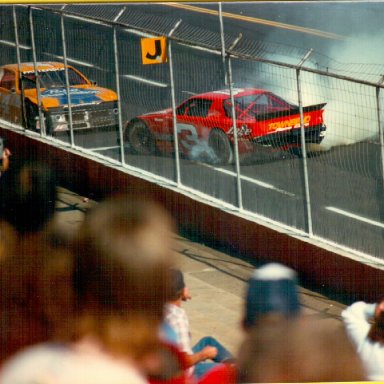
[58, 97]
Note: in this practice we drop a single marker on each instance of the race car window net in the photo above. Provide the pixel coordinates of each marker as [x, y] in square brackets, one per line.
[52, 79]
[195, 107]
[254, 105]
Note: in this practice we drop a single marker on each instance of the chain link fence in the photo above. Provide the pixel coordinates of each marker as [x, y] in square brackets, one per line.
[330, 189]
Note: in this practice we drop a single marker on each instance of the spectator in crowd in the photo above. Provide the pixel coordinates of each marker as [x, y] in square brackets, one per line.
[271, 296]
[298, 350]
[5, 153]
[118, 285]
[272, 292]
[207, 352]
[364, 323]
[28, 196]
[34, 281]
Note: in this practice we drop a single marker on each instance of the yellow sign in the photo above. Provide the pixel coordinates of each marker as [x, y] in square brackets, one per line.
[154, 50]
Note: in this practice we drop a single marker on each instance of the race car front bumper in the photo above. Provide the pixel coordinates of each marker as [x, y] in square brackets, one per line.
[83, 117]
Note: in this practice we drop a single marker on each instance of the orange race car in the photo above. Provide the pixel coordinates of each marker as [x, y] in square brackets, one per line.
[262, 118]
[92, 106]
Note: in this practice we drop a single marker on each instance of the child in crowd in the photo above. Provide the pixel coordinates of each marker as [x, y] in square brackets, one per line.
[207, 353]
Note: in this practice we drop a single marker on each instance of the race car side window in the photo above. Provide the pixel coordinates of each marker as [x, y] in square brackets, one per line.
[261, 105]
[180, 110]
[74, 78]
[199, 108]
[279, 103]
[242, 105]
[227, 108]
[7, 80]
[29, 80]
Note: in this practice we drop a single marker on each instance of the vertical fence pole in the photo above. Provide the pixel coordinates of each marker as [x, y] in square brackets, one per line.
[234, 126]
[223, 55]
[16, 32]
[41, 116]
[68, 89]
[173, 97]
[303, 145]
[380, 126]
[117, 74]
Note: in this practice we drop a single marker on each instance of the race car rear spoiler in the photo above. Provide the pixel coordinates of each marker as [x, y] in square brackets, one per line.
[289, 112]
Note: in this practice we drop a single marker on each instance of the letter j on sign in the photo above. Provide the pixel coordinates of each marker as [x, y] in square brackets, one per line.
[154, 50]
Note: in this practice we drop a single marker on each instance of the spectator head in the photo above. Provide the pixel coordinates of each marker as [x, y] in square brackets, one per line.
[28, 196]
[35, 281]
[298, 350]
[2, 146]
[178, 289]
[376, 332]
[123, 254]
[272, 290]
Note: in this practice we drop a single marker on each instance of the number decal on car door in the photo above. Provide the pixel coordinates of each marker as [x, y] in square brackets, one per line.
[187, 135]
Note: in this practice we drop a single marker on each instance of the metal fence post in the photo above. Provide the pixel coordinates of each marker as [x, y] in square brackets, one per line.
[117, 74]
[67, 80]
[41, 116]
[223, 55]
[303, 144]
[234, 126]
[176, 139]
[16, 32]
[380, 126]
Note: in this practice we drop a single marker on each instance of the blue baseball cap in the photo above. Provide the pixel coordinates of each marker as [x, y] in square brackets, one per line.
[272, 289]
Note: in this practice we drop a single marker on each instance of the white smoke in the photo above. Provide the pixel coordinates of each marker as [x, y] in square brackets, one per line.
[201, 151]
[351, 110]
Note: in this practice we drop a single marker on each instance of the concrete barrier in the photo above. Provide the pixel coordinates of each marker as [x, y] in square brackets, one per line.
[316, 263]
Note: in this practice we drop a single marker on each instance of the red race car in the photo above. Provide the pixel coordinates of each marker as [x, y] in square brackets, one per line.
[262, 118]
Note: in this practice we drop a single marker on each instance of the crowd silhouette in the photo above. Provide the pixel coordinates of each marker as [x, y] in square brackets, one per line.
[99, 306]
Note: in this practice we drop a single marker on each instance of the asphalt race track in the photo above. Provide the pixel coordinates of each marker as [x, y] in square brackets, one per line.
[345, 195]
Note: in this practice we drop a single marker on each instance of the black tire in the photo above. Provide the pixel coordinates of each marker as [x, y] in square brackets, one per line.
[219, 142]
[140, 138]
[296, 151]
[31, 112]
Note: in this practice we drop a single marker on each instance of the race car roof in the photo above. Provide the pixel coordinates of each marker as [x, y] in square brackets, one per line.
[225, 94]
[29, 67]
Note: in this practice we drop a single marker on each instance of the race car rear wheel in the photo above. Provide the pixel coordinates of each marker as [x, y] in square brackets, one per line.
[140, 138]
[221, 146]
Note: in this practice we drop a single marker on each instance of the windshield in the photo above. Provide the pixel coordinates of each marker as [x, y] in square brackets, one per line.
[52, 79]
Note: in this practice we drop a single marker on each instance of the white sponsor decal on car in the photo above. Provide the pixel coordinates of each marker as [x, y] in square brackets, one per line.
[72, 91]
[227, 92]
[48, 67]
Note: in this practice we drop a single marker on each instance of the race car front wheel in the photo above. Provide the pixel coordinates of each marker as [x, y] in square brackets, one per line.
[140, 138]
[31, 116]
[219, 142]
